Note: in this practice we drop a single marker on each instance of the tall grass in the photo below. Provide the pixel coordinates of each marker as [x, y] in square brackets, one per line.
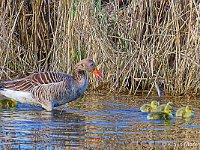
[141, 45]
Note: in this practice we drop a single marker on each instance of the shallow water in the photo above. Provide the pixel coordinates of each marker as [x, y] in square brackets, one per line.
[98, 122]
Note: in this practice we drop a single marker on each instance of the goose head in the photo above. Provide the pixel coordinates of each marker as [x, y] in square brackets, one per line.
[88, 65]
[168, 109]
[154, 104]
[188, 109]
[170, 103]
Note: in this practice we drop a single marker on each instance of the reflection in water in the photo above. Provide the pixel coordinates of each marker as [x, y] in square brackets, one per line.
[41, 129]
[96, 122]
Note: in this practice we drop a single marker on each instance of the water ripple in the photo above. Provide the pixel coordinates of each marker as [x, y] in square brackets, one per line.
[89, 124]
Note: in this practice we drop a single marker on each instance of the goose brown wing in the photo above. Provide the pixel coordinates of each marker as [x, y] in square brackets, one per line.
[30, 82]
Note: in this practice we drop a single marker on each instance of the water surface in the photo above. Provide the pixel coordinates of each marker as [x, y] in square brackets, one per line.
[98, 122]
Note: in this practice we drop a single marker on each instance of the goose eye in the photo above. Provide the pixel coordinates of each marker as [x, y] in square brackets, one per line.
[91, 64]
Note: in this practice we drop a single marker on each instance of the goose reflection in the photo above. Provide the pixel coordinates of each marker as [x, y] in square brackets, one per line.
[42, 129]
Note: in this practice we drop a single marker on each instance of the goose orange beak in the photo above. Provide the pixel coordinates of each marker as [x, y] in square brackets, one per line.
[97, 73]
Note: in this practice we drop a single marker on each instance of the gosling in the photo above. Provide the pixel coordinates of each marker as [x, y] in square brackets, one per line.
[164, 115]
[162, 107]
[185, 112]
[149, 107]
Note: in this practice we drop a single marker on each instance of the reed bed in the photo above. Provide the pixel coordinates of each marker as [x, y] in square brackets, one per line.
[148, 45]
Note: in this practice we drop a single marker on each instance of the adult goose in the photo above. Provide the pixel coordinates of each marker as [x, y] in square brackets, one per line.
[50, 89]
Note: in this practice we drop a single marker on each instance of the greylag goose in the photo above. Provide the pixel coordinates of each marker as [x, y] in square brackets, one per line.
[50, 89]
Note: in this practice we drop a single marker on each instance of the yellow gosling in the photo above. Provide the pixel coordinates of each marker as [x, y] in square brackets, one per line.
[165, 115]
[180, 111]
[149, 107]
[185, 112]
[8, 103]
[162, 107]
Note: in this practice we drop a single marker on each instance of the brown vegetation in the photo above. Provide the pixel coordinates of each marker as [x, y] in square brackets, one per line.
[139, 45]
